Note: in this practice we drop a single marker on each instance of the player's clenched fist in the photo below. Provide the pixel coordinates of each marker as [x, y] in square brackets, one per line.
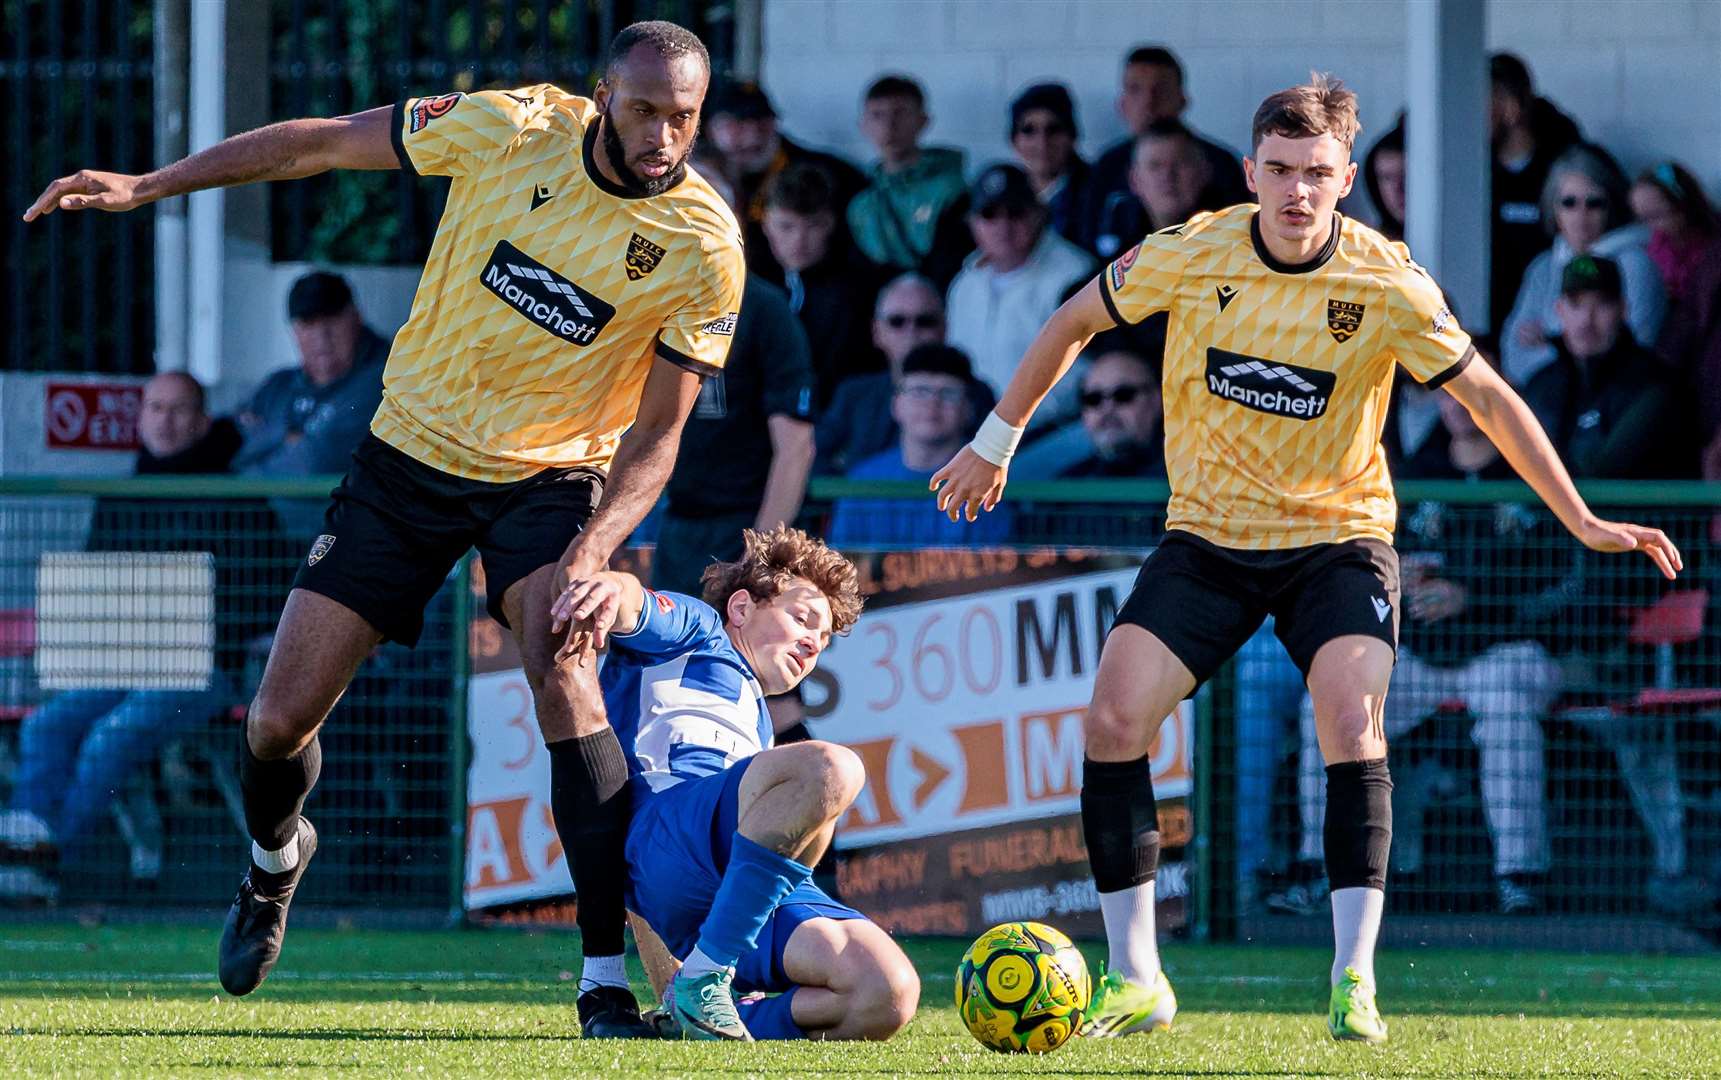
[87, 189]
[968, 485]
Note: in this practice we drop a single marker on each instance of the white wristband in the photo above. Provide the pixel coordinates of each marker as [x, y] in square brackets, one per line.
[996, 440]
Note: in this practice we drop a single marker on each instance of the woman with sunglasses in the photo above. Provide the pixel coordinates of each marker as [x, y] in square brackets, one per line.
[1584, 205]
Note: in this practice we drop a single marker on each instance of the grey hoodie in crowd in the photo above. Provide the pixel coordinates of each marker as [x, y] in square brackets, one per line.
[1645, 298]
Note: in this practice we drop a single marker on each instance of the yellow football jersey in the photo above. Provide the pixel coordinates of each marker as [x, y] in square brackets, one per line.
[548, 289]
[1277, 377]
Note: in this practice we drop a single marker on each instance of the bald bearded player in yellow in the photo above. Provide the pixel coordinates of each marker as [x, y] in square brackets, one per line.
[582, 282]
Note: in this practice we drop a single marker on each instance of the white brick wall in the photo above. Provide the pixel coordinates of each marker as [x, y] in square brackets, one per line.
[1642, 76]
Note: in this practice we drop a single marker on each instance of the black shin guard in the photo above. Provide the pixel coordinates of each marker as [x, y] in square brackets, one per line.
[274, 792]
[1120, 822]
[1358, 827]
[589, 797]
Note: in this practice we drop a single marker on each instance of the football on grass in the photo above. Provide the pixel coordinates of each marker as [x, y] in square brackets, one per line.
[1022, 987]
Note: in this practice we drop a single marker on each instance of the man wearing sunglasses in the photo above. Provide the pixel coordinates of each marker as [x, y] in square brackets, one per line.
[1120, 413]
[1043, 135]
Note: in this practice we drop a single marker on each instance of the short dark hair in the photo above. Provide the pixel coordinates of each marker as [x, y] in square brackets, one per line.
[197, 392]
[896, 86]
[666, 39]
[937, 358]
[1508, 72]
[318, 295]
[1321, 106]
[1155, 56]
[1169, 128]
[801, 188]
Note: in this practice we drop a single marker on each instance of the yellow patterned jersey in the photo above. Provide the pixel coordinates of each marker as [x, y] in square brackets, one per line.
[548, 289]
[1277, 377]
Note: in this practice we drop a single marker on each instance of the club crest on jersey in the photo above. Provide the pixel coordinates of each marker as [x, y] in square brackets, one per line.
[319, 548]
[1120, 268]
[1344, 319]
[1442, 320]
[544, 297]
[424, 110]
[642, 257]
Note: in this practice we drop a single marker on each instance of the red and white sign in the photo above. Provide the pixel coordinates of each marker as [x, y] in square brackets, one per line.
[968, 711]
[91, 416]
[512, 852]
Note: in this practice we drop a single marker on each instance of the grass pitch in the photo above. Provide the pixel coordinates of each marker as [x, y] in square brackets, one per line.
[142, 1001]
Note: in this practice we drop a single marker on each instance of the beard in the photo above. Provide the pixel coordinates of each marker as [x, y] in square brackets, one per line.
[637, 184]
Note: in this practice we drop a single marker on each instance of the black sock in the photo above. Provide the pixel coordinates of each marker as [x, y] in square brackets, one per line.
[590, 800]
[1358, 828]
[274, 793]
[1120, 822]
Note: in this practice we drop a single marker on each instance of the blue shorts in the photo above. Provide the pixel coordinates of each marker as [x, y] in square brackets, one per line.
[677, 850]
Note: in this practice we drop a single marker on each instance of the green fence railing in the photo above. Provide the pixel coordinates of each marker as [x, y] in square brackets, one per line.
[1555, 732]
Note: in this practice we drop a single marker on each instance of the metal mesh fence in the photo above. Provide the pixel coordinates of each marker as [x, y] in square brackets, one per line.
[1554, 726]
[135, 620]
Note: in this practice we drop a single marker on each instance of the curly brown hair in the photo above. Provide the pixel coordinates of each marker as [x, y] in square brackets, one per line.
[773, 559]
[1322, 106]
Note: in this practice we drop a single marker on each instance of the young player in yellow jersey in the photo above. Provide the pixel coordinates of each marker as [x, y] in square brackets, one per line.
[582, 282]
[1286, 321]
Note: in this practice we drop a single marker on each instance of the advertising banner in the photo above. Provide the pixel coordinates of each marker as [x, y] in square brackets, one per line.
[962, 688]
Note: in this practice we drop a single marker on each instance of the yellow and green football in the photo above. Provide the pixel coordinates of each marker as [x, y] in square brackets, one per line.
[1022, 987]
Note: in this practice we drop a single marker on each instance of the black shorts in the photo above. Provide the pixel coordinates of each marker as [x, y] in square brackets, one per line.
[396, 527]
[1204, 601]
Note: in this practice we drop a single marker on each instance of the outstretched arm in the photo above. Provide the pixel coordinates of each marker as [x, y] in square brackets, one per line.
[1505, 419]
[974, 479]
[607, 602]
[285, 151]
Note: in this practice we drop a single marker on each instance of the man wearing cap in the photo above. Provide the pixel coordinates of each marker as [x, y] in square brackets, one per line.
[743, 124]
[308, 420]
[1604, 400]
[1043, 133]
[1018, 275]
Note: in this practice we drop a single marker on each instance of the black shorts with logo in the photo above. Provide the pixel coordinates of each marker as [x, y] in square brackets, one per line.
[396, 527]
[1204, 601]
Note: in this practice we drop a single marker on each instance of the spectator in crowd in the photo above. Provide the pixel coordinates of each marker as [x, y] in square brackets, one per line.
[1120, 413]
[910, 216]
[1043, 133]
[1685, 242]
[1171, 177]
[1153, 89]
[828, 291]
[1528, 134]
[858, 423]
[1584, 205]
[1604, 400]
[306, 421]
[933, 416]
[1383, 172]
[743, 125]
[78, 748]
[1019, 274]
[747, 447]
[1481, 597]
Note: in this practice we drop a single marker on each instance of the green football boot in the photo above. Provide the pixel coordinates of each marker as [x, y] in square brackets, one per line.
[704, 1007]
[1352, 1015]
[1120, 1007]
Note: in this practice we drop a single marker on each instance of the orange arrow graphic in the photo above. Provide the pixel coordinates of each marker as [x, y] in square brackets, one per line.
[931, 775]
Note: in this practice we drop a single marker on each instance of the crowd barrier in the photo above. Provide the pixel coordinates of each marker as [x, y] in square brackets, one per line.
[1555, 722]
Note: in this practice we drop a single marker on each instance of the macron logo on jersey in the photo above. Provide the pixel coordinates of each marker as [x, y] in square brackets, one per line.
[1299, 393]
[544, 296]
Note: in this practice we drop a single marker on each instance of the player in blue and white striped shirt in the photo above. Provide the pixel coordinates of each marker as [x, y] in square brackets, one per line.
[726, 827]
